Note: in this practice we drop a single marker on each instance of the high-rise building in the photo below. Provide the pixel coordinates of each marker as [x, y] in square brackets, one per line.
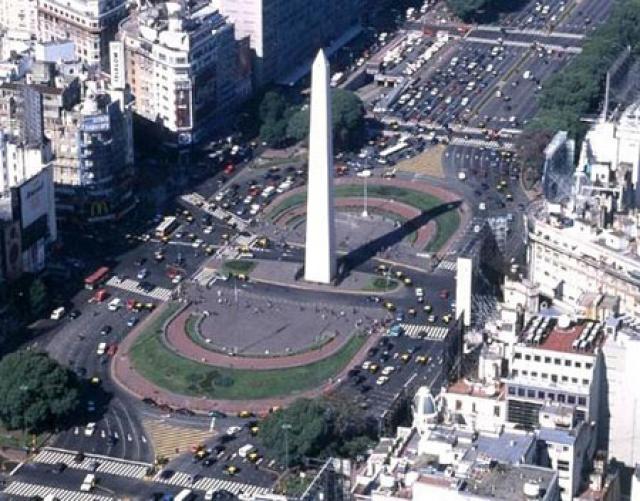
[284, 35]
[90, 24]
[181, 64]
[622, 353]
[93, 165]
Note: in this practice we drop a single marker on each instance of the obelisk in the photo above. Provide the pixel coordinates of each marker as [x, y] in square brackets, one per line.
[320, 248]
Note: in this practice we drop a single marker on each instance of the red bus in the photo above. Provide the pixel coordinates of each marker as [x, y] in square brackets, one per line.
[96, 278]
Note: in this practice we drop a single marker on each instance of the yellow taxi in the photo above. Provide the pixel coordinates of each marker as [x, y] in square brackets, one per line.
[245, 414]
[421, 359]
[231, 470]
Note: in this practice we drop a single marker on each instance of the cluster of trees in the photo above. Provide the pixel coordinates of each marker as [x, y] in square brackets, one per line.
[317, 428]
[482, 10]
[36, 393]
[577, 91]
[283, 123]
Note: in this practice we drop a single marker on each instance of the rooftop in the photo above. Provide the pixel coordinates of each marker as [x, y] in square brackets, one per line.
[478, 389]
[561, 335]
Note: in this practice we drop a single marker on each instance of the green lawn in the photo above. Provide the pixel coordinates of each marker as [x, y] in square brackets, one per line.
[238, 266]
[447, 223]
[153, 360]
[380, 284]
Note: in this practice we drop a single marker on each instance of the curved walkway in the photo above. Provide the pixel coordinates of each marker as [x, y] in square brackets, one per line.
[424, 233]
[178, 341]
[125, 376]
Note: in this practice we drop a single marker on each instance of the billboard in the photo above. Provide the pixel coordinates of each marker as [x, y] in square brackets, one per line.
[464, 289]
[35, 197]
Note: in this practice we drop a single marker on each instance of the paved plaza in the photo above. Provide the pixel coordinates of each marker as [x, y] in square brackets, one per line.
[247, 323]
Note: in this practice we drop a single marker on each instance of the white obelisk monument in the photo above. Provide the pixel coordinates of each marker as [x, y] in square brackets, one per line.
[320, 247]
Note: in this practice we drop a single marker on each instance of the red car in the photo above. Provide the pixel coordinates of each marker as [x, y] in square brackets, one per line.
[444, 294]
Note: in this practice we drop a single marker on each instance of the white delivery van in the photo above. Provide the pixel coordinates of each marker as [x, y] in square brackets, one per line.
[58, 313]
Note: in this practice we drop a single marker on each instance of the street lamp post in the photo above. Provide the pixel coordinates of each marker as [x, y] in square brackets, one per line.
[365, 175]
[286, 427]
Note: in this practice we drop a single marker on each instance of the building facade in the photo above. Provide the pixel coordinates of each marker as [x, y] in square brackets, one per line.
[90, 24]
[285, 35]
[181, 64]
[93, 165]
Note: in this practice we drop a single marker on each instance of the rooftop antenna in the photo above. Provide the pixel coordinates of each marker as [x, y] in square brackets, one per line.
[605, 108]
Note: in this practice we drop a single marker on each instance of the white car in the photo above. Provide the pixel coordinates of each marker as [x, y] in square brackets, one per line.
[388, 370]
[142, 274]
[419, 292]
[89, 429]
[364, 173]
[232, 430]
[207, 230]
[102, 348]
[382, 380]
[366, 365]
[114, 304]
[177, 279]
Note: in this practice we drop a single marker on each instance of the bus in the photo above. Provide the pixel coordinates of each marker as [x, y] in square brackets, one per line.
[166, 227]
[184, 495]
[337, 79]
[396, 148]
[97, 278]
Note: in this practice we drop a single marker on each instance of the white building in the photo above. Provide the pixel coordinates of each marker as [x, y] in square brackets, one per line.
[622, 355]
[556, 361]
[20, 161]
[182, 67]
[19, 17]
[90, 24]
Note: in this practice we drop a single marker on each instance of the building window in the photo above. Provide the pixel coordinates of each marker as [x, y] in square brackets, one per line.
[571, 399]
[554, 378]
[567, 363]
[561, 398]
[582, 401]
[531, 393]
[534, 374]
[574, 380]
[541, 395]
[514, 373]
[521, 392]
[578, 365]
[458, 405]
[545, 375]
[557, 361]
[527, 357]
[547, 360]
[496, 411]
[518, 355]
[473, 407]
[551, 396]
[512, 390]
[585, 382]
[588, 365]
[536, 358]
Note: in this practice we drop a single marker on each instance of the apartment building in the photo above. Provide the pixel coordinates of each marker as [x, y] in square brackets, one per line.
[284, 35]
[181, 63]
[93, 165]
[90, 24]
[19, 17]
[556, 361]
[621, 354]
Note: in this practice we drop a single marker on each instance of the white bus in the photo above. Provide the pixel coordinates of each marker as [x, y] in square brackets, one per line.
[337, 79]
[167, 226]
[399, 146]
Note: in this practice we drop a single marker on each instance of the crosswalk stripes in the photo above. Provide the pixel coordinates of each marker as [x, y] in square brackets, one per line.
[24, 489]
[168, 438]
[432, 332]
[448, 265]
[127, 284]
[108, 465]
[204, 484]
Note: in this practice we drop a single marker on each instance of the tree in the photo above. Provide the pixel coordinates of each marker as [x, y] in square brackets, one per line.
[36, 393]
[530, 147]
[317, 428]
[274, 133]
[347, 118]
[38, 298]
[272, 107]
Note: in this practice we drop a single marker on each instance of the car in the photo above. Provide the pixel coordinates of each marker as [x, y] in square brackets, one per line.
[132, 321]
[142, 274]
[231, 470]
[217, 414]
[79, 457]
[208, 462]
[421, 359]
[102, 348]
[176, 279]
[91, 406]
[90, 429]
[388, 370]
[74, 314]
[382, 380]
[106, 330]
[373, 368]
[233, 430]
[366, 364]
[245, 414]
[405, 357]
[95, 380]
